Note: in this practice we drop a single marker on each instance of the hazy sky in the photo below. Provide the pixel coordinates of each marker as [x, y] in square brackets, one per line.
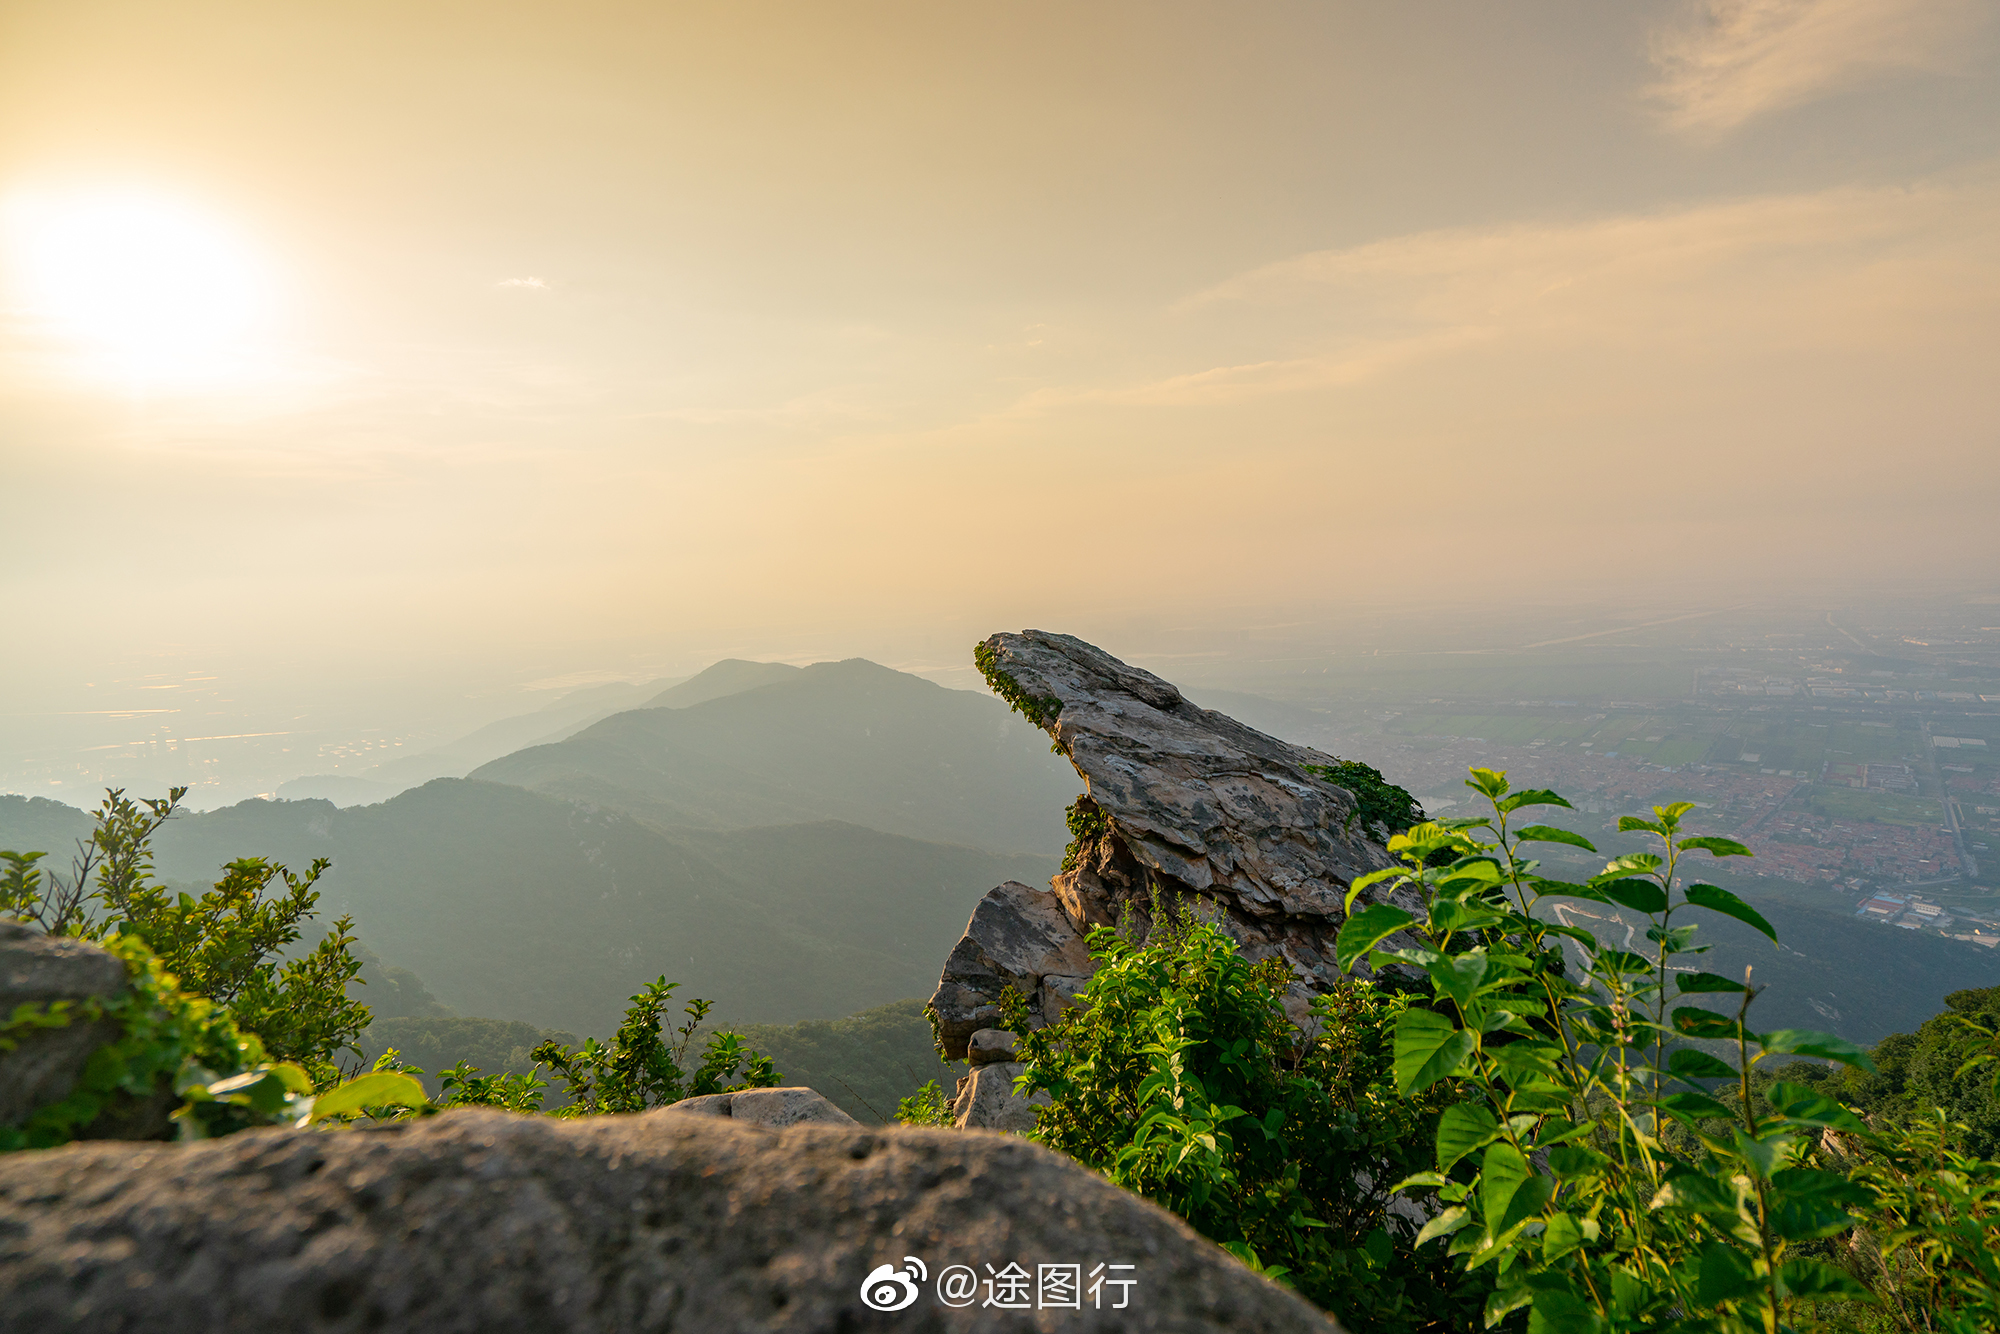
[386, 338]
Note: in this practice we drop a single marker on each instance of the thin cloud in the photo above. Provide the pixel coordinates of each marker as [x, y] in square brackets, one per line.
[1730, 61]
[522, 282]
[1792, 270]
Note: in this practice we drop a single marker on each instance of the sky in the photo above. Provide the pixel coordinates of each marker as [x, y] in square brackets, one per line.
[444, 350]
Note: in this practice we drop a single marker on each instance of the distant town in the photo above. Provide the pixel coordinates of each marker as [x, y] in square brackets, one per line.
[1863, 769]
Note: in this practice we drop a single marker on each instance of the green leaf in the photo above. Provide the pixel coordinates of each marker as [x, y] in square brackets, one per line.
[1509, 1190]
[1765, 1152]
[1420, 842]
[1696, 1022]
[1638, 895]
[1560, 1236]
[1505, 1299]
[384, 1089]
[1360, 883]
[1570, 1161]
[1827, 1047]
[1560, 1312]
[1817, 1281]
[1446, 1223]
[1720, 847]
[1673, 940]
[1622, 961]
[1693, 1107]
[1459, 976]
[1813, 1183]
[1452, 915]
[1690, 1063]
[1533, 796]
[1803, 1104]
[1487, 782]
[1543, 833]
[293, 1078]
[1725, 1275]
[1625, 865]
[1709, 982]
[1503, 1171]
[1630, 823]
[1564, 889]
[1363, 930]
[1428, 1048]
[1722, 901]
[1464, 1127]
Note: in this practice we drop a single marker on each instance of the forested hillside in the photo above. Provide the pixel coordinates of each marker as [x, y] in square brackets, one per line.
[515, 905]
[847, 741]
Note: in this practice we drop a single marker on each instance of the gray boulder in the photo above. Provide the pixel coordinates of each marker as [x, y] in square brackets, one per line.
[45, 1064]
[775, 1108]
[482, 1221]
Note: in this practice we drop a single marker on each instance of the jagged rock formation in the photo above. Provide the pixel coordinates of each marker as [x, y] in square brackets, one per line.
[478, 1221]
[1179, 799]
[772, 1108]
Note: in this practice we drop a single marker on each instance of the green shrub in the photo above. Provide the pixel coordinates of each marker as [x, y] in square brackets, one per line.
[1559, 1175]
[928, 1106]
[168, 1042]
[1380, 807]
[1179, 1077]
[227, 945]
[641, 1068]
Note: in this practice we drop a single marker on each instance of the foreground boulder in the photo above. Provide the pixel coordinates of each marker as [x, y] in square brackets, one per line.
[44, 1064]
[35, 969]
[481, 1221]
[1180, 800]
[775, 1108]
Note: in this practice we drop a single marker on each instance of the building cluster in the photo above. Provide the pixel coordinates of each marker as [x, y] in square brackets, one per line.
[1914, 912]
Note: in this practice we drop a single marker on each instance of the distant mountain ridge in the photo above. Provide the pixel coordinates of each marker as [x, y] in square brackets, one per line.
[731, 676]
[851, 741]
[520, 906]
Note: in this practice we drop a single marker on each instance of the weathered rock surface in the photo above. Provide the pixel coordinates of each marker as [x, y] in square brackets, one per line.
[1018, 936]
[989, 1045]
[35, 970]
[986, 1100]
[477, 1221]
[774, 1108]
[1186, 800]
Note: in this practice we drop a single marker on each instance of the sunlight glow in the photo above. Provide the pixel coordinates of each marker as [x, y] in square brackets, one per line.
[137, 288]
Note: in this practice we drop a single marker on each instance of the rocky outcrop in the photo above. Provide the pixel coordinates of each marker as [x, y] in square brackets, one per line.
[477, 1221]
[1179, 800]
[1021, 937]
[45, 1063]
[773, 1108]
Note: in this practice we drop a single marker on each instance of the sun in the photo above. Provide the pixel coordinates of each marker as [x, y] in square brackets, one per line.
[135, 287]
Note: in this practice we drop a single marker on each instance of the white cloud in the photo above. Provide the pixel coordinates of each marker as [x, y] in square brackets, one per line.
[1729, 61]
[522, 282]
